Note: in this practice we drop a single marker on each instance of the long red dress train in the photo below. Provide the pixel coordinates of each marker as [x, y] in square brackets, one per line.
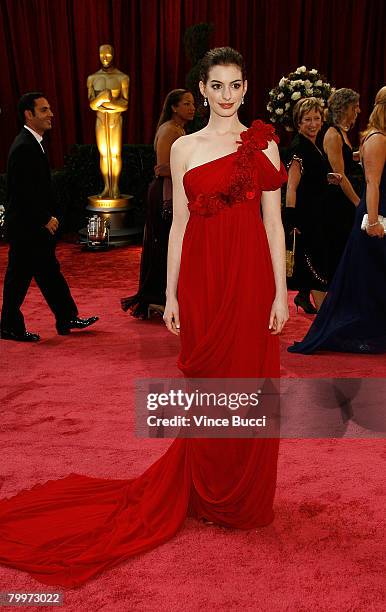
[64, 532]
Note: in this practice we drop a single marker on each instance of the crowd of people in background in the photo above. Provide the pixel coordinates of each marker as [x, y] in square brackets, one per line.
[320, 198]
[321, 206]
[352, 317]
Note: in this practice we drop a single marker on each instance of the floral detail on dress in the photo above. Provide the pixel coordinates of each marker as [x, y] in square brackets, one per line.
[242, 184]
[207, 204]
[258, 136]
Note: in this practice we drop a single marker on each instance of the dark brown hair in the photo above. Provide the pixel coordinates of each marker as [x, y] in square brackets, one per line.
[220, 56]
[27, 102]
[172, 99]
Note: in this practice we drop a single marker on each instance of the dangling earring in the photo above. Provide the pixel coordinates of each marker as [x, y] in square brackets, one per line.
[205, 102]
[242, 100]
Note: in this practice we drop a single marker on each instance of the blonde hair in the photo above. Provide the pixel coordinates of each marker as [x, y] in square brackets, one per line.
[377, 119]
[303, 106]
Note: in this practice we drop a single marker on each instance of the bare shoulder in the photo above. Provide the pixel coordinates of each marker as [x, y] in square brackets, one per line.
[167, 127]
[272, 147]
[169, 130]
[184, 144]
[163, 131]
[377, 140]
[272, 152]
[375, 146]
[180, 151]
[332, 136]
[198, 138]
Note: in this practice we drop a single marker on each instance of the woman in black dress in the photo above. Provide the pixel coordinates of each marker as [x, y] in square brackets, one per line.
[342, 112]
[306, 201]
[352, 317]
[177, 110]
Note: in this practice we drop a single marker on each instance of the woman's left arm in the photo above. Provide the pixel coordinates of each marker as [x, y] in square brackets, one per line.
[374, 153]
[271, 205]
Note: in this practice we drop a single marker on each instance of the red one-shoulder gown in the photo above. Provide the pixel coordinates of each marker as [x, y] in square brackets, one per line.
[66, 531]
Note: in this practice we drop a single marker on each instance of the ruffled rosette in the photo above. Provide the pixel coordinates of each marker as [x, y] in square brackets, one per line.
[244, 183]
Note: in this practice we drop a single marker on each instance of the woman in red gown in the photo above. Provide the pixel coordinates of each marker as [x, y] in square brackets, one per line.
[228, 261]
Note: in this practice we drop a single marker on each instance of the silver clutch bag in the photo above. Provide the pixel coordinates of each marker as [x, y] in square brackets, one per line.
[365, 220]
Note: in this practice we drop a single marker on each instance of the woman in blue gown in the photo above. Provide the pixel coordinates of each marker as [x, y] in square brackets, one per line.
[352, 318]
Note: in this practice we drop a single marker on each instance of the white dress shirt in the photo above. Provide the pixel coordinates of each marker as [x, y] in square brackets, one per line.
[36, 135]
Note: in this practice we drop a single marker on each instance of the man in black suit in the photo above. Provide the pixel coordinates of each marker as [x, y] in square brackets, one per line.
[30, 228]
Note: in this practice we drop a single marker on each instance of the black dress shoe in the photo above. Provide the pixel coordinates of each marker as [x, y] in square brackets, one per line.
[65, 328]
[26, 336]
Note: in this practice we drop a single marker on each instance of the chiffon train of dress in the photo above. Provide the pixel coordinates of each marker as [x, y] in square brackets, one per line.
[352, 317]
[64, 532]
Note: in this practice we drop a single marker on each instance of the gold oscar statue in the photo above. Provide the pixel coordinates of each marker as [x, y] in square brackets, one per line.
[108, 94]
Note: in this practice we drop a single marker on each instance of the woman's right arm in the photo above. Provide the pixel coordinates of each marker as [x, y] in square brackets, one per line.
[374, 153]
[177, 231]
[294, 176]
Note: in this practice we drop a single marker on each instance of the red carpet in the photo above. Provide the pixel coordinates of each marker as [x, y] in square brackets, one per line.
[67, 407]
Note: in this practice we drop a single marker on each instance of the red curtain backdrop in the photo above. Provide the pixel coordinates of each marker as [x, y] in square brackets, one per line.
[53, 47]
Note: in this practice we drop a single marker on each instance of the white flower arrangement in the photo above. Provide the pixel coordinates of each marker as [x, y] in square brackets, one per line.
[302, 83]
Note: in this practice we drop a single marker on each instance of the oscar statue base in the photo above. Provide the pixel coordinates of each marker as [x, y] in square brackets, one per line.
[96, 203]
[118, 212]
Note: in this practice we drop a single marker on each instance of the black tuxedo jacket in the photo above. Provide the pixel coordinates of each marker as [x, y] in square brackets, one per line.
[30, 202]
